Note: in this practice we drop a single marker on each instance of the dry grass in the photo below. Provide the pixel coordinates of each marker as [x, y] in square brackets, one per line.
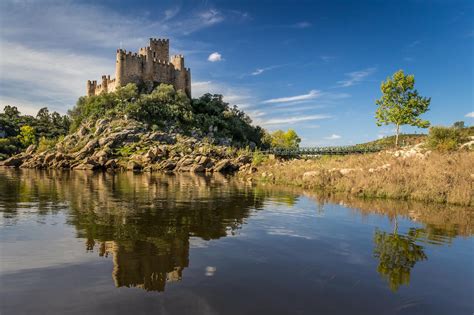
[443, 178]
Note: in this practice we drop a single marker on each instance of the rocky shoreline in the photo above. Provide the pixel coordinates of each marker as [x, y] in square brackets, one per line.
[124, 144]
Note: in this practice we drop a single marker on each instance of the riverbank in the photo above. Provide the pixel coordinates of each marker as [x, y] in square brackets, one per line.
[411, 174]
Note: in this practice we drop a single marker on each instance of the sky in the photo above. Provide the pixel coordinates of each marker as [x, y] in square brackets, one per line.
[314, 66]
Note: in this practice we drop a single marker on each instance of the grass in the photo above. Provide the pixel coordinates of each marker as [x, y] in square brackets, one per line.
[439, 177]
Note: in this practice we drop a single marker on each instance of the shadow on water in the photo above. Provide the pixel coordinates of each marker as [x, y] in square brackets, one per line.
[147, 221]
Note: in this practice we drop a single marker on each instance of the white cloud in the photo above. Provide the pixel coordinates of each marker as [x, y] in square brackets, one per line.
[291, 120]
[355, 77]
[211, 17]
[56, 78]
[470, 115]
[258, 71]
[333, 137]
[309, 96]
[233, 95]
[327, 58]
[171, 13]
[214, 57]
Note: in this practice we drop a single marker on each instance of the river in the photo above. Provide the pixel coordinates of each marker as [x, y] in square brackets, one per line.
[96, 243]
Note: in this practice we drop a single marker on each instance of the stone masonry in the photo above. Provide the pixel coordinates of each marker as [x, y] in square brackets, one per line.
[151, 64]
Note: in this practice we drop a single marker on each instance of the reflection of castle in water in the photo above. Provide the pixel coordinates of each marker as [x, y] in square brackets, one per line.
[146, 226]
[144, 266]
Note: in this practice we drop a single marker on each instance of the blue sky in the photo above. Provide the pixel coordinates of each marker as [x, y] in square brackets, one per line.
[314, 66]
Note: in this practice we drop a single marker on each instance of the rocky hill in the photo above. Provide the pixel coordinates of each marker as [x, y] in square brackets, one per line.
[127, 144]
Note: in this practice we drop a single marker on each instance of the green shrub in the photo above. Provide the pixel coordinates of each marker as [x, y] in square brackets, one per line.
[258, 158]
[445, 138]
[8, 146]
[46, 144]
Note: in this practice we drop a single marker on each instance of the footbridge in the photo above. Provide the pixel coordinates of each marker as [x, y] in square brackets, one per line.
[315, 151]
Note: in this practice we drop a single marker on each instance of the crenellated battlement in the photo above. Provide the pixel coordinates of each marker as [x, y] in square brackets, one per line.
[150, 64]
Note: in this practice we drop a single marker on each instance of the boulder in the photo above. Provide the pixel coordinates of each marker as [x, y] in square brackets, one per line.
[31, 149]
[111, 164]
[198, 169]
[49, 158]
[162, 138]
[86, 166]
[225, 166]
[14, 161]
[168, 165]
[134, 166]
[87, 149]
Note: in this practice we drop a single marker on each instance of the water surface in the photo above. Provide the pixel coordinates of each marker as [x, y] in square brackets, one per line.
[78, 242]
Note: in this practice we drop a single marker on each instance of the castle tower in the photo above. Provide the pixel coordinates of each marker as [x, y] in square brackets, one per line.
[178, 62]
[104, 84]
[90, 87]
[120, 67]
[160, 49]
[151, 65]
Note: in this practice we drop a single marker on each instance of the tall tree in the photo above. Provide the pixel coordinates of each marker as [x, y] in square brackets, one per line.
[401, 104]
[285, 140]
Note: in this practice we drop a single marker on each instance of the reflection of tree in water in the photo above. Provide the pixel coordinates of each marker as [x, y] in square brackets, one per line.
[397, 255]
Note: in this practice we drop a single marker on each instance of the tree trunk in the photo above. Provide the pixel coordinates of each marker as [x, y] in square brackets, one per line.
[396, 137]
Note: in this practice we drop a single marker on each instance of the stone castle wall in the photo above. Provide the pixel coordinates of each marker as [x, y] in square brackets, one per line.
[150, 64]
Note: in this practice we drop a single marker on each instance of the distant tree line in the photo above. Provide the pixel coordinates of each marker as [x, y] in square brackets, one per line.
[18, 131]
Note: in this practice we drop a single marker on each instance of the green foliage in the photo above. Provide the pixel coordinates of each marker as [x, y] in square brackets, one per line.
[165, 108]
[46, 144]
[50, 125]
[126, 150]
[22, 130]
[105, 104]
[445, 138]
[459, 125]
[258, 158]
[285, 140]
[8, 146]
[397, 255]
[400, 103]
[211, 113]
[27, 135]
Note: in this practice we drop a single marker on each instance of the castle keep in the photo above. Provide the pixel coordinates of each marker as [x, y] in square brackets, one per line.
[151, 64]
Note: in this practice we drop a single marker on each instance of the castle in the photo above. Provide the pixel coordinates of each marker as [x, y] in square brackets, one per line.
[150, 65]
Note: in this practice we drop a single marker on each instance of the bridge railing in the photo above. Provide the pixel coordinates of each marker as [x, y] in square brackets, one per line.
[333, 150]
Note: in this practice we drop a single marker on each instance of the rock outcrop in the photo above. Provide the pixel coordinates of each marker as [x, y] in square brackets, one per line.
[128, 145]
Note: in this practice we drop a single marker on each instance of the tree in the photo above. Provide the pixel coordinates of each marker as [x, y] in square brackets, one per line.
[459, 125]
[400, 103]
[285, 140]
[27, 135]
[397, 255]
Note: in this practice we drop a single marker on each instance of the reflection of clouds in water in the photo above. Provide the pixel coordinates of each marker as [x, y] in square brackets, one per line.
[196, 242]
[285, 232]
[210, 271]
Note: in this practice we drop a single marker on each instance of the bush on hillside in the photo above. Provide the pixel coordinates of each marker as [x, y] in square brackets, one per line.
[164, 108]
[445, 138]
